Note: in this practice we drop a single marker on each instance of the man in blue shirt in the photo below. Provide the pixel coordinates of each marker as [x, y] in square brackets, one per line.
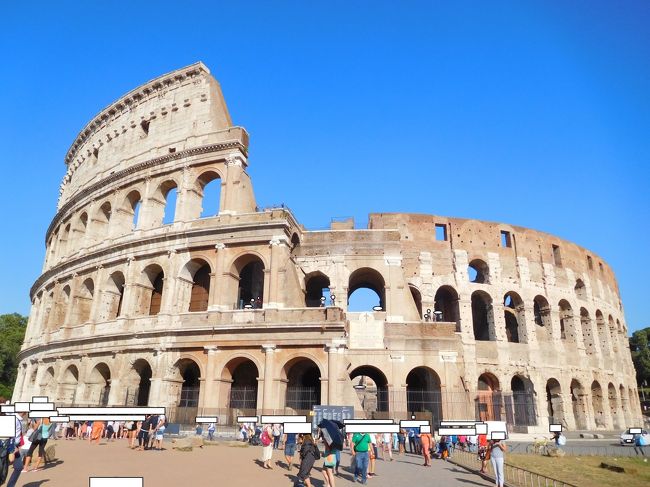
[14, 448]
[412, 440]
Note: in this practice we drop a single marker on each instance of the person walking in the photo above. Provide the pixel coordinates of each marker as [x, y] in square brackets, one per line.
[329, 465]
[46, 432]
[39, 439]
[482, 451]
[401, 438]
[276, 436]
[373, 455]
[639, 442]
[14, 449]
[267, 446]
[388, 447]
[309, 453]
[97, 431]
[211, 428]
[289, 448]
[496, 453]
[361, 444]
[425, 440]
[143, 434]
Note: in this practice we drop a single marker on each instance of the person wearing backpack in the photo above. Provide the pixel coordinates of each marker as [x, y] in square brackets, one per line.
[14, 457]
[361, 443]
[639, 442]
[309, 453]
[267, 446]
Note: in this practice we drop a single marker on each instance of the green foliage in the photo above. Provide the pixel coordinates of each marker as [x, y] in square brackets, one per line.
[641, 354]
[12, 333]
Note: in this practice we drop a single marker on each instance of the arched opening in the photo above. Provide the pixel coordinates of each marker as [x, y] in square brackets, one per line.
[489, 400]
[514, 315]
[48, 384]
[190, 374]
[82, 225]
[613, 334]
[579, 405]
[566, 321]
[597, 404]
[151, 292]
[209, 184]
[241, 378]
[522, 412]
[139, 384]
[316, 289]
[423, 393]
[250, 290]
[371, 387]
[48, 304]
[482, 316]
[478, 272]
[417, 299]
[446, 304]
[85, 300]
[587, 334]
[295, 241]
[131, 206]
[199, 295]
[102, 220]
[303, 384]
[366, 290]
[580, 289]
[614, 409]
[65, 245]
[625, 406]
[602, 333]
[555, 407]
[114, 293]
[98, 385]
[61, 307]
[542, 312]
[169, 193]
[68, 386]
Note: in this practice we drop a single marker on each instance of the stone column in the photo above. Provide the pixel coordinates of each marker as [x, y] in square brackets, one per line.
[332, 373]
[268, 401]
[157, 396]
[392, 290]
[210, 395]
[498, 329]
[279, 256]
[229, 203]
[218, 296]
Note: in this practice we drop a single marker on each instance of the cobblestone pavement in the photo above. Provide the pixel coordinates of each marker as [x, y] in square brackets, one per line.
[223, 465]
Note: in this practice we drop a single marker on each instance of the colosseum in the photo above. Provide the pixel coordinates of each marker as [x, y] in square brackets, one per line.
[147, 298]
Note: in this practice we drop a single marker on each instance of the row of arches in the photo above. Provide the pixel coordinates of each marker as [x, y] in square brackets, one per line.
[135, 209]
[74, 304]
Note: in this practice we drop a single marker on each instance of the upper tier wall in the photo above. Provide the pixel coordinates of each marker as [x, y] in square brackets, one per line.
[182, 109]
[479, 238]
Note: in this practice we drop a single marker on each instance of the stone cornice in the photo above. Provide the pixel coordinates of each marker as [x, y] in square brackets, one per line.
[132, 98]
[116, 176]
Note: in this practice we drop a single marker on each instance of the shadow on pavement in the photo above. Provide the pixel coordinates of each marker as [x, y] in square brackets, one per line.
[38, 483]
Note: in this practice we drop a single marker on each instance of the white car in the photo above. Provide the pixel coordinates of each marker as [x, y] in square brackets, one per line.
[627, 438]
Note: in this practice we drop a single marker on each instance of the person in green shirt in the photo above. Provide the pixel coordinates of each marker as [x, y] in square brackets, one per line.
[360, 443]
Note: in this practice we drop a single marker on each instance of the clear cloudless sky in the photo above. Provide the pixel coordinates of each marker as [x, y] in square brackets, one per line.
[534, 113]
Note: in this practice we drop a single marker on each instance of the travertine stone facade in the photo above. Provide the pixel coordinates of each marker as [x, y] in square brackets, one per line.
[140, 300]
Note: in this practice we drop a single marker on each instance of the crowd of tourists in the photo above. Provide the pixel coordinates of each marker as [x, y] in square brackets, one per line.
[32, 436]
[304, 450]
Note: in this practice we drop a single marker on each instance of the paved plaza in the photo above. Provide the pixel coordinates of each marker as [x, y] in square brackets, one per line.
[221, 465]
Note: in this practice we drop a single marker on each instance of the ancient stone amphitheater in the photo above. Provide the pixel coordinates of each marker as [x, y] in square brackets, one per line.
[148, 298]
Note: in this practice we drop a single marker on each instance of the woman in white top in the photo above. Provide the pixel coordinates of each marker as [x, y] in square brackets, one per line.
[373, 455]
[388, 447]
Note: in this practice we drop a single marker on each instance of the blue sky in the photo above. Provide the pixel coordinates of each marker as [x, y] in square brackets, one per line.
[531, 113]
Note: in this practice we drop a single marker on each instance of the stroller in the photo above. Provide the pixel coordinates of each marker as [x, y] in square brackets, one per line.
[255, 439]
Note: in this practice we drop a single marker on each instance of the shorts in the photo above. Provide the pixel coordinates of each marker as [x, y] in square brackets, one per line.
[160, 432]
[290, 449]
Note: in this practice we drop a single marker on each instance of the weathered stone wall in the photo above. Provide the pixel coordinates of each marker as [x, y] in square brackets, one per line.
[126, 303]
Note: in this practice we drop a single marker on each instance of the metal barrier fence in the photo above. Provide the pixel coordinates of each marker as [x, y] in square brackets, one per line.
[514, 476]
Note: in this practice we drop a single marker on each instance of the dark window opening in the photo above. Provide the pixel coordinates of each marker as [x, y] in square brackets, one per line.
[200, 289]
[145, 127]
[590, 263]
